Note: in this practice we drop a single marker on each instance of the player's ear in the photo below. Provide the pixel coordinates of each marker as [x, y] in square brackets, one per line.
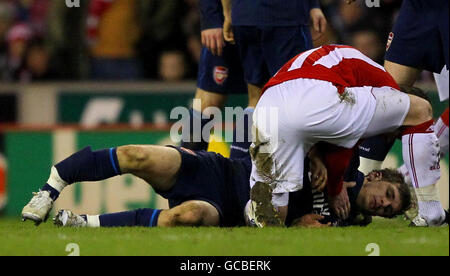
[375, 176]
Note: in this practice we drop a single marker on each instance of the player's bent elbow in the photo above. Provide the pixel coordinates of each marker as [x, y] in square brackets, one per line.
[420, 111]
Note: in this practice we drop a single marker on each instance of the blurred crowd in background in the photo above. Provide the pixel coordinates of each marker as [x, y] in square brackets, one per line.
[130, 40]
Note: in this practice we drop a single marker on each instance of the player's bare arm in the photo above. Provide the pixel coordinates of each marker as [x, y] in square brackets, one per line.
[213, 40]
[402, 74]
[319, 22]
[341, 203]
[227, 25]
[311, 221]
[318, 169]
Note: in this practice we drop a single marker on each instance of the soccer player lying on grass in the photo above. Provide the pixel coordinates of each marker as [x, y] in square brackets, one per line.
[206, 189]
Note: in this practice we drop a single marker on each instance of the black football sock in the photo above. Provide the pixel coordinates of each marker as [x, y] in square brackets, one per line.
[140, 217]
[242, 138]
[85, 165]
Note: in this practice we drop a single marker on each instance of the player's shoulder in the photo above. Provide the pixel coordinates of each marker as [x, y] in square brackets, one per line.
[332, 55]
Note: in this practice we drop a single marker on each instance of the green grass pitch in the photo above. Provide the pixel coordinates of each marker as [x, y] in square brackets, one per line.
[393, 237]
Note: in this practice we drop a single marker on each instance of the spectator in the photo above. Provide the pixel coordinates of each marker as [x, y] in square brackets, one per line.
[37, 63]
[112, 31]
[128, 37]
[330, 36]
[191, 29]
[162, 22]
[33, 12]
[5, 22]
[17, 38]
[369, 43]
[348, 19]
[172, 66]
[66, 40]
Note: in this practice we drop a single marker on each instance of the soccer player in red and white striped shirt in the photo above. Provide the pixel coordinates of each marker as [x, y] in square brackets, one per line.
[332, 94]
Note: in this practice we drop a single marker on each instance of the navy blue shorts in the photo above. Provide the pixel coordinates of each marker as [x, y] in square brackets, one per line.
[221, 74]
[210, 177]
[264, 50]
[420, 36]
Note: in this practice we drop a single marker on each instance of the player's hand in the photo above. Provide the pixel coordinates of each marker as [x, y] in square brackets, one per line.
[349, 1]
[319, 22]
[228, 31]
[340, 204]
[311, 221]
[213, 40]
[319, 174]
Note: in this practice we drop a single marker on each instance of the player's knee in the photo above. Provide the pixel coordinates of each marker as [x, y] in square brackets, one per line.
[425, 111]
[209, 99]
[132, 157]
[420, 111]
[189, 214]
[193, 214]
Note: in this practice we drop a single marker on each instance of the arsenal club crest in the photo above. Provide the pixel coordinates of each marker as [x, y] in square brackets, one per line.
[220, 74]
[390, 38]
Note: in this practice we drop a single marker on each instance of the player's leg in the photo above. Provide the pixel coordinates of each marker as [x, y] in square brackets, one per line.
[422, 173]
[212, 76]
[189, 213]
[140, 217]
[199, 139]
[242, 135]
[254, 65]
[218, 77]
[282, 131]
[155, 164]
[374, 149]
[421, 154]
[405, 54]
[373, 152]
[420, 144]
[441, 130]
[275, 166]
[278, 45]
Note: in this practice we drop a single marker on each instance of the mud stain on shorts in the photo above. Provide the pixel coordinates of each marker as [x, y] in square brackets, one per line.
[261, 192]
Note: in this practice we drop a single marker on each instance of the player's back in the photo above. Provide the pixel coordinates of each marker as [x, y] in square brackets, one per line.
[344, 66]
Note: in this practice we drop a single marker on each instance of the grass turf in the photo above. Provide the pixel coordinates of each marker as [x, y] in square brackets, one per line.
[393, 238]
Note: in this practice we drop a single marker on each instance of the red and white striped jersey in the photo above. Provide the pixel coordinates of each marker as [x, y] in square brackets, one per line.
[344, 66]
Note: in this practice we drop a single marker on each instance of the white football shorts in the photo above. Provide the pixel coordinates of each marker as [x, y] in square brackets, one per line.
[292, 116]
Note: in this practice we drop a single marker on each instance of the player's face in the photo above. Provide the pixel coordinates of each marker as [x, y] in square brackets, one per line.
[379, 198]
